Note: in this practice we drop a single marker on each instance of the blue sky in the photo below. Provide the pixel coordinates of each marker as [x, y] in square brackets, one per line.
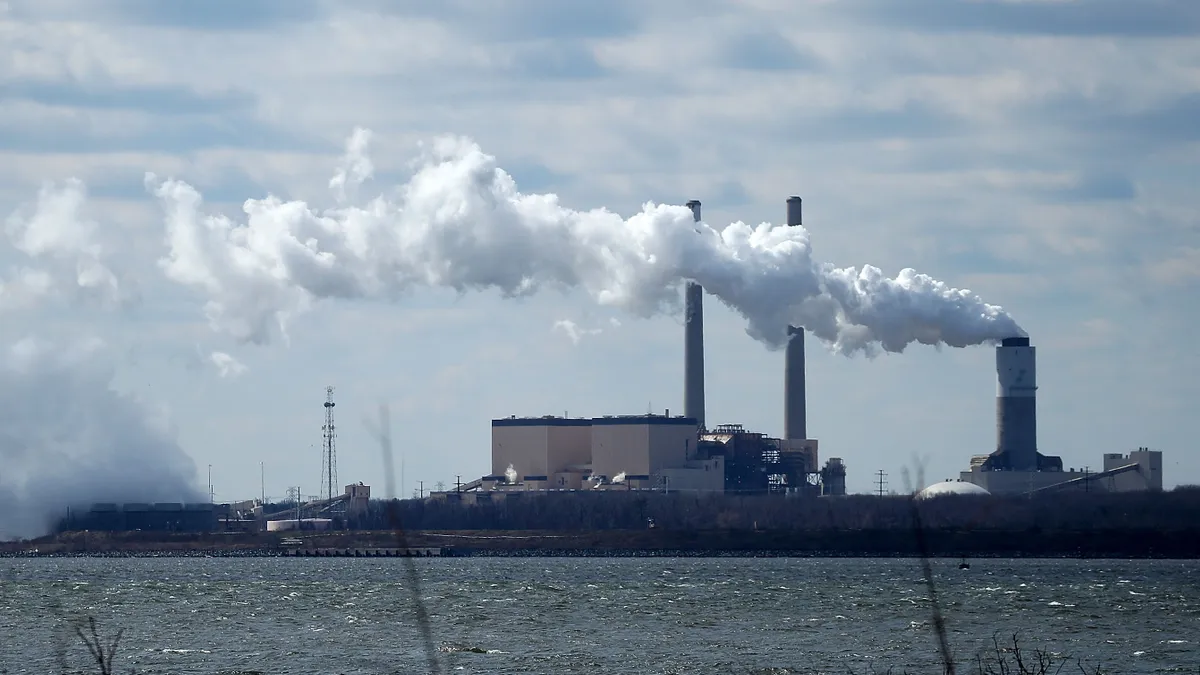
[1041, 153]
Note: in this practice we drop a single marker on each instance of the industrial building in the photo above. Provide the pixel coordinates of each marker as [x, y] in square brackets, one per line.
[246, 516]
[165, 517]
[621, 452]
[683, 453]
[1017, 467]
[664, 452]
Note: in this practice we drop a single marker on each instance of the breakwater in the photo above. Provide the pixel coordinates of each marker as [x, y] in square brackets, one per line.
[877, 543]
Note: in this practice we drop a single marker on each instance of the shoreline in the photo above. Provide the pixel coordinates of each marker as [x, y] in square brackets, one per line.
[1130, 543]
[532, 553]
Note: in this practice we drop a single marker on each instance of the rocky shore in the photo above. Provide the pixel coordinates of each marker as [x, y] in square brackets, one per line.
[1125, 543]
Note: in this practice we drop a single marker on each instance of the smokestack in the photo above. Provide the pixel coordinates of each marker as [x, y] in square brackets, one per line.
[795, 422]
[793, 211]
[693, 343]
[1016, 404]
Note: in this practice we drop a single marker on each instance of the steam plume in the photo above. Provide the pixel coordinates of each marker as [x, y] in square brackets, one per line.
[510, 475]
[63, 247]
[461, 223]
[69, 439]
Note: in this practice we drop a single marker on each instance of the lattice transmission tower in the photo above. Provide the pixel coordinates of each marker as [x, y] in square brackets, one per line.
[329, 479]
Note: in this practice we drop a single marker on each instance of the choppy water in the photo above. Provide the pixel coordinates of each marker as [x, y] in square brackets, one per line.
[648, 615]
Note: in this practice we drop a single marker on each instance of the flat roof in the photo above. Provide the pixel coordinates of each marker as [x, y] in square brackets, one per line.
[643, 419]
[548, 421]
[610, 420]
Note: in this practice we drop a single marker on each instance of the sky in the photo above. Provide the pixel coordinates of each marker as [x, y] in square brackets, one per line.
[1035, 152]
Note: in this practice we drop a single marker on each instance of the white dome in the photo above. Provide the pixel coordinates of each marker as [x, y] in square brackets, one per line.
[951, 487]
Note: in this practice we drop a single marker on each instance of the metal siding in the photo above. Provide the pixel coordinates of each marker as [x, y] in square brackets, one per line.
[525, 447]
[620, 447]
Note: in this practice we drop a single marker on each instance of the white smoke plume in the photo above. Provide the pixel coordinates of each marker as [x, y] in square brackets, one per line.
[461, 223]
[68, 439]
[62, 246]
[574, 331]
[510, 474]
[619, 478]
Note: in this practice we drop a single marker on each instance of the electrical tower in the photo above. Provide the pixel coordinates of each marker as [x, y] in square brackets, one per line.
[881, 483]
[329, 449]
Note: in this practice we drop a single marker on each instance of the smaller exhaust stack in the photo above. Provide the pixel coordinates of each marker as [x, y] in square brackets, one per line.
[795, 422]
[693, 343]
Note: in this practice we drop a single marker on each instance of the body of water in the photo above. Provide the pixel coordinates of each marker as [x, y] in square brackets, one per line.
[316, 616]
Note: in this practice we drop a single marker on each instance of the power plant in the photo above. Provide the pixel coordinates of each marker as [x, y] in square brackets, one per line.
[664, 452]
[674, 453]
[1016, 466]
[682, 453]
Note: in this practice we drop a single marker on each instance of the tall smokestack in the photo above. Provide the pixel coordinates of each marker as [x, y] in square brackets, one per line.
[795, 416]
[693, 343]
[1016, 404]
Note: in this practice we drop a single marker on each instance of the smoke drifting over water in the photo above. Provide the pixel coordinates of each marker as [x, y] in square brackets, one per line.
[68, 439]
[460, 222]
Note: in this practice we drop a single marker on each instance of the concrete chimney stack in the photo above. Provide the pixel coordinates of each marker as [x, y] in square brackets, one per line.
[793, 211]
[1016, 404]
[795, 422]
[693, 343]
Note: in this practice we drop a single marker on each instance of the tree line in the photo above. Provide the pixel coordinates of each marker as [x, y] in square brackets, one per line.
[1174, 510]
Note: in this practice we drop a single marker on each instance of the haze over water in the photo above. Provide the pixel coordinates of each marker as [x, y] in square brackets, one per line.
[592, 615]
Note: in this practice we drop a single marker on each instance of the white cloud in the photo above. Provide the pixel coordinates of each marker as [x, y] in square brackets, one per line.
[227, 366]
[573, 331]
[1181, 268]
[356, 165]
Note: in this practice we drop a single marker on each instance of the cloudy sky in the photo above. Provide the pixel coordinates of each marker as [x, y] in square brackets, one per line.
[1036, 152]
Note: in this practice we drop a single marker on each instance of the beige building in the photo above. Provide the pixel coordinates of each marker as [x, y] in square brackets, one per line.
[642, 445]
[1148, 475]
[358, 499]
[538, 448]
[635, 451]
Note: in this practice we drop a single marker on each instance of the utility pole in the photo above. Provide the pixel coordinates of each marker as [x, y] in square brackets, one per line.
[881, 483]
[421, 488]
[210, 485]
[294, 492]
[262, 483]
[458, 483]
